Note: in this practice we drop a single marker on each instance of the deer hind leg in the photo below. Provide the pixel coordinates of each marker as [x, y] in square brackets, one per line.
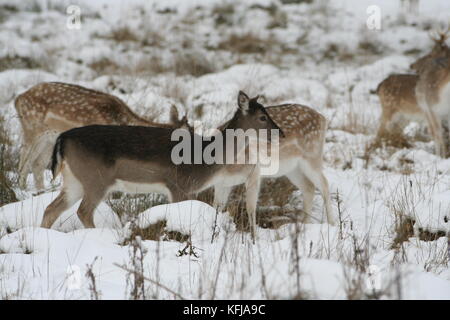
[38, 175]
[316, 176]
[221, 195]
[72, 192]
[24, 168]
[252, 186]
[307, 187]
[87, 207]
[435, 126]
[383, 128]
[37, 157]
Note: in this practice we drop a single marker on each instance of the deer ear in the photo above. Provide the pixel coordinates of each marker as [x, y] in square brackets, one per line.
[243, 101]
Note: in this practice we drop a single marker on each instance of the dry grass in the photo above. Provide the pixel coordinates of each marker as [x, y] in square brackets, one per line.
[8, 163]
[273, 210]
[157, 232]
[247, 43]
[187, 62]
[18, 62]
[191, 63]
[393, 138]
[122, 34]
[223, 14]
[104, 66]
[402, 209]
[127, 207]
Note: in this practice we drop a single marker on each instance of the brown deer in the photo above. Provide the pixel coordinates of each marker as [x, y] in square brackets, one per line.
[50, 108]
[433, 97]
[397, 93]
[300, 154]
[95, 160]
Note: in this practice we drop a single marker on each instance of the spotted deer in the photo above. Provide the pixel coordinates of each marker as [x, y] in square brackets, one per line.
[300, 155]
[398, 103]
[397, 93]
[95, 160]
[433, 97]
[50, 108]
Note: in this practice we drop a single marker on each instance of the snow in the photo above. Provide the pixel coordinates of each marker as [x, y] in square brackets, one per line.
[316, 60]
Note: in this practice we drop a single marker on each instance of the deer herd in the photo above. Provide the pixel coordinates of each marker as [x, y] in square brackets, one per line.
[99, 145]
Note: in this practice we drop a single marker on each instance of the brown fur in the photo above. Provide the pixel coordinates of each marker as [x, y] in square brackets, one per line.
[98, 159]
[433, 97]
[57, 107]
[398, 100]
[300, 154]
[398, 95]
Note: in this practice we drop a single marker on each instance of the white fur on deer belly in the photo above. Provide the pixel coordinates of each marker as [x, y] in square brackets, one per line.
[227, 179]
[285, 165]
[133, 187]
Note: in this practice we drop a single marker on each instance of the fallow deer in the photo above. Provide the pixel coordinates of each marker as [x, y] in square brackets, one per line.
[433, 97]
[398, 102]
[397, 92]
[95, 160]
[50, 108]
[300, 155]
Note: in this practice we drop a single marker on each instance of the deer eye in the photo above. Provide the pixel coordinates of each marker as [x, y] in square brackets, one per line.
[263, 118]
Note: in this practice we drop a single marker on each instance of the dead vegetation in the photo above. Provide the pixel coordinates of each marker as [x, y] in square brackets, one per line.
[19, 62]
[404, 225]
[273, 209]
[394, 138]
[181, 63]
[122, 34]
[8, 164]
[248, 43]
[128, 206]
[157, 232]
[104, 65]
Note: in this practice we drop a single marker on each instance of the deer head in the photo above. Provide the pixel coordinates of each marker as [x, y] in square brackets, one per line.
[439, 50]
[252, 115]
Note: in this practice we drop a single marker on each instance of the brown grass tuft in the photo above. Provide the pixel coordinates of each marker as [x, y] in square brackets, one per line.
[157, 232]
[8, 163]
[122, 34]
[104, 66]
[247, 43]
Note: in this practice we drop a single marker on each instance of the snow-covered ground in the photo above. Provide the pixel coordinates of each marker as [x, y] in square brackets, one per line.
[197, 54]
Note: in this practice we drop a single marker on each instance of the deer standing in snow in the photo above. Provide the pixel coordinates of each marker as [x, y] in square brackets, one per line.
[433, 95]
[397, 92]
[50, 108]
[95, 160]
[300, 155]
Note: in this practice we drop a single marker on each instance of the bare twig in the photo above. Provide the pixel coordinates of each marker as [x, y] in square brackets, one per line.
[135, 273]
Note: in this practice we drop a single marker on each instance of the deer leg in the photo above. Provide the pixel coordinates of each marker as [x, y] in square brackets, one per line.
[434, 124]
[316, 176]
[86, 209]
[37, 157]
[436, 131]
[23, 169]
[221, 197]
[72, 191]
[307, 188]
[62, 202]
[38, 174]
[383, 128]
[252, 189]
